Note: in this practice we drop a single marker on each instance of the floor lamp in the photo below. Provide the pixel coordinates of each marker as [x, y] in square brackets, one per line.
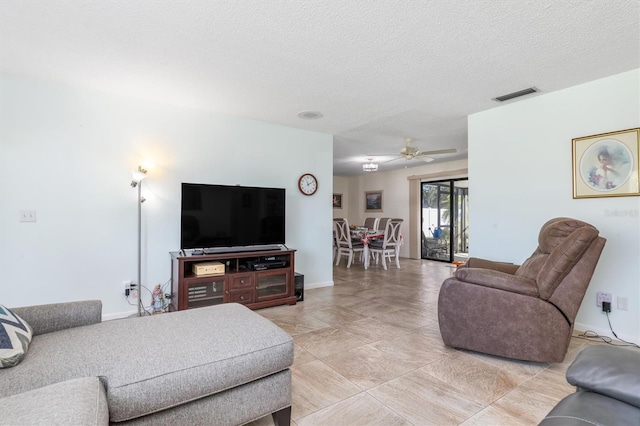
[138, 176]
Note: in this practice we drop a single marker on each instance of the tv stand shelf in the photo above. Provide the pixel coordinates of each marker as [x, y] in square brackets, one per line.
[239, 283]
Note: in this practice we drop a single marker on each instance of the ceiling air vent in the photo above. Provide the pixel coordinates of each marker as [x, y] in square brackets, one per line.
[517, 94]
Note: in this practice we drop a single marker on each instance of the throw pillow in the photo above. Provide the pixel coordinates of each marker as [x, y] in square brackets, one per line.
[15, 336]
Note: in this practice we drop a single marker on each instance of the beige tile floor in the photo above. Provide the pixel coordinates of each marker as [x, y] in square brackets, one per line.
[368, 352]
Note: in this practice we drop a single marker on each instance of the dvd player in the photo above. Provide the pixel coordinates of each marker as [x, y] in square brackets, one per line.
[261, 265]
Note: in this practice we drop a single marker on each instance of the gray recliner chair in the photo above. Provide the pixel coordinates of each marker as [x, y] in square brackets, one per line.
[523, 311]
[607, 381]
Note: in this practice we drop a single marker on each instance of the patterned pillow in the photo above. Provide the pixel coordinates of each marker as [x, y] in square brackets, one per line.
[15, 336]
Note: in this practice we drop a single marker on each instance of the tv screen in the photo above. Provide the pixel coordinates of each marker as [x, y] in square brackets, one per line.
[215, 216]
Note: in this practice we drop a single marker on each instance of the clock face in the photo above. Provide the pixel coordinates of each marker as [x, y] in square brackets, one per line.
[308, 184]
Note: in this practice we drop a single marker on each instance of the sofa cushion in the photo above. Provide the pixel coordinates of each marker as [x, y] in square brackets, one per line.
[608, 370]
[589, 409]
[74, 402]
[194, 353]
[15, 336]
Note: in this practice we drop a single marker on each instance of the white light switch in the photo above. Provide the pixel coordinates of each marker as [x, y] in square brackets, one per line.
[623, 303]
[27, 216]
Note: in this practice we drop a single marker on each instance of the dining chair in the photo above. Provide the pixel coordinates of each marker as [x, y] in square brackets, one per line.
[390, 244]
[371, 223]
[344, 243]
[382, 223]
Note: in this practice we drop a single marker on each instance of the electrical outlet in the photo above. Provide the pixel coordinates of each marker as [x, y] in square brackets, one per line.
[127, 287]
[602, 297]
[133, 293]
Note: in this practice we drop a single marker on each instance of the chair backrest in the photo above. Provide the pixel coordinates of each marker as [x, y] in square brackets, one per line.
[342, 232]
[392, 233]
[370, 223]
[382, 223]
[562, 265]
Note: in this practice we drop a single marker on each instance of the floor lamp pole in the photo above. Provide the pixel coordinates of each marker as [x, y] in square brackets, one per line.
[137, 183]
[139, 248]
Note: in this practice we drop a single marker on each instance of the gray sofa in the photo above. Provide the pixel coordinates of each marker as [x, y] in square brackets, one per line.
[217, 365]
[607, 381]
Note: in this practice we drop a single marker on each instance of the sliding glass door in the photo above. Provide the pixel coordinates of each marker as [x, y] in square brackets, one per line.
[445, 220]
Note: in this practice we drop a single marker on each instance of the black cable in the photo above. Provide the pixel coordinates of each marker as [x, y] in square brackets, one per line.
[616, 336]
[589, 335]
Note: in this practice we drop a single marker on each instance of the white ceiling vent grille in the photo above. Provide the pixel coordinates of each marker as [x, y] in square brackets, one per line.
[517, 94]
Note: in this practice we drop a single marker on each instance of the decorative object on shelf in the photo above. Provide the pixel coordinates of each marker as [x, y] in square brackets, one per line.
[373, 201]
[308, 184]
[138, 176]
[370, 166]
[606, 165]
[337, 201]
[158, 302]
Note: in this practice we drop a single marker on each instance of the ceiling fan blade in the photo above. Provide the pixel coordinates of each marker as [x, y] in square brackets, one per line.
[425, 159]
[393, 159]
[439, 151]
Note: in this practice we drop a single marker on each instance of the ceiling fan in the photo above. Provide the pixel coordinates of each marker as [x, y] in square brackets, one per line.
[409, 152]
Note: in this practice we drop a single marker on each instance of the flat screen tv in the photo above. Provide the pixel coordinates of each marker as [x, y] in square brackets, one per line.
[223, 216]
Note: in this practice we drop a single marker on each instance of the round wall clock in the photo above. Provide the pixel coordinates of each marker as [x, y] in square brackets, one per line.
[308, 184]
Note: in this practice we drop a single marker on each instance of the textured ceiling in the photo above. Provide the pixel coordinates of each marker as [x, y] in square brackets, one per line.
[379, 71]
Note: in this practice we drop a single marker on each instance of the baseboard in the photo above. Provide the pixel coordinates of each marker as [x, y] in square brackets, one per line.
[318, 285]
[605, 332]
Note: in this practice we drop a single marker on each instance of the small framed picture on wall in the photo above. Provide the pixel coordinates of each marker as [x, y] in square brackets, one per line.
[337, 201]
[373, 201]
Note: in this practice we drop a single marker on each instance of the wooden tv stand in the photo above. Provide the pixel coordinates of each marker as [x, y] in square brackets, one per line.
[239, 283]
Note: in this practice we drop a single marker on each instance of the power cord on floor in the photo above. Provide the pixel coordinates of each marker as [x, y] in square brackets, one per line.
[592, 335]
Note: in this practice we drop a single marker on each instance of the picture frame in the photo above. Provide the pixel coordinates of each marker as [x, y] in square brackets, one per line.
[606, 164]
[373, 201]
[337, 201]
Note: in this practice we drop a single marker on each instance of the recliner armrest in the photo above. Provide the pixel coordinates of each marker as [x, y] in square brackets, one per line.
[59, 316]
[608, 370]
[476, 262]
[498, 280]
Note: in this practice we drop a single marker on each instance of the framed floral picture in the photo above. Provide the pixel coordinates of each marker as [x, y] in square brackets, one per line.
[337, 201]
[373, 201]
[606, 165]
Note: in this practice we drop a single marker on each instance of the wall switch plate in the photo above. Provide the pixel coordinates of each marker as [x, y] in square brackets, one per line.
[27, 215]
[623, 303]
[602, 297]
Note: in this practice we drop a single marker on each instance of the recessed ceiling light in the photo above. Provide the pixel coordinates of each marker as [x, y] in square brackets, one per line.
[310, 115]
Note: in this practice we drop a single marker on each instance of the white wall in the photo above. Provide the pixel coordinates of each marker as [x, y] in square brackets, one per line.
[68, 154]
[520, 176]
[395, 193]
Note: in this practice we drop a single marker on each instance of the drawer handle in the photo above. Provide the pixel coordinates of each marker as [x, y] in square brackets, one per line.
[242, 281]
[241, 297]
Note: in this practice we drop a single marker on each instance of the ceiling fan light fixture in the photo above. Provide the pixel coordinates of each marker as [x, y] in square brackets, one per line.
[370, 167]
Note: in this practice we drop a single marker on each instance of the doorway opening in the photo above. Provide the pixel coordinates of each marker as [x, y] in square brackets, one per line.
[445, 220]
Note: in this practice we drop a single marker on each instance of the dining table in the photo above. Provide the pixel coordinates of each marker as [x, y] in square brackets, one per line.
[365, 236]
